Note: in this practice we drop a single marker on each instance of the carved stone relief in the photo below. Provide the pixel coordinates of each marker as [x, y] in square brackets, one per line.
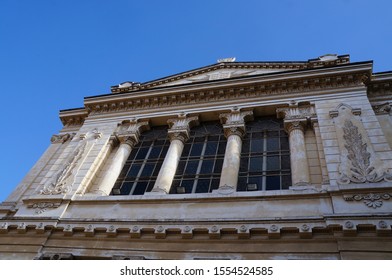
[41, 207]
[358, 161]
[372, 200]
[63, 179]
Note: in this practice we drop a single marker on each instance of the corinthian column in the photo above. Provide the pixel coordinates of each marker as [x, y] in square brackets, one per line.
[234, 129]
[298, 158]
[128, 136]
[178, 133]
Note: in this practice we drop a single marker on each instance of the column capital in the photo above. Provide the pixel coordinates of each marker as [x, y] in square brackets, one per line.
[234, 122]
[295, 112]
[295, 125]
[129, 131]
[179, 127]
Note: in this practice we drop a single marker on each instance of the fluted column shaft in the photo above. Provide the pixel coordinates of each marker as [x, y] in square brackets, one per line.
[298, 158]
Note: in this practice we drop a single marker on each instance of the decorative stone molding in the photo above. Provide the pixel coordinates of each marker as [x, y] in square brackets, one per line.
[344, 107]
[236, 93]
[272, 229]
[382, 109]
[226, 64]
[41, 207]
[372, 200]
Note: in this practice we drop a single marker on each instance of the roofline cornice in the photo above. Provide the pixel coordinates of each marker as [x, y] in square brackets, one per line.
[268, 77]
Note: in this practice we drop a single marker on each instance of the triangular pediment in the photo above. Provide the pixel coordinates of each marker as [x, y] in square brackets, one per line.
[228, 70]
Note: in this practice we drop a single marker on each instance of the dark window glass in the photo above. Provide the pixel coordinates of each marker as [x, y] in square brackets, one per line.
[203, 186]
[207, 166]
[191, 167]
[273, 163]
[147, 170]
[196, 149]
[140, 188]
[272, 144]
[273, 183]
[155, 152]
[256, 164]
[134, 170]
[257, 145]
[142, 153]
[211, 148]
[126, 187]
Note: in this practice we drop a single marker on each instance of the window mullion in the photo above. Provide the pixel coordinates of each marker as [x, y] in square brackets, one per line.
[199, 166]
[141, 168]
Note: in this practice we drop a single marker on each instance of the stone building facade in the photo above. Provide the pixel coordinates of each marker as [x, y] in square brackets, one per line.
[236, 160]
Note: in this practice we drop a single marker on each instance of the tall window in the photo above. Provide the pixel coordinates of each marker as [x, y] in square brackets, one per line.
[201, 160]
[142, 167]
[265, 156]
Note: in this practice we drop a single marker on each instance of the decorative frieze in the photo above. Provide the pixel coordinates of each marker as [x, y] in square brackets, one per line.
[271, 229]
[237, 93]
[371, 200]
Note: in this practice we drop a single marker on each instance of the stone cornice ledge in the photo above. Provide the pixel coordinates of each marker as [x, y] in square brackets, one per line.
[206, 197]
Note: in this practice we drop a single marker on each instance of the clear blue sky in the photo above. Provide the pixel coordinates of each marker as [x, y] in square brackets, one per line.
[55, 52]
